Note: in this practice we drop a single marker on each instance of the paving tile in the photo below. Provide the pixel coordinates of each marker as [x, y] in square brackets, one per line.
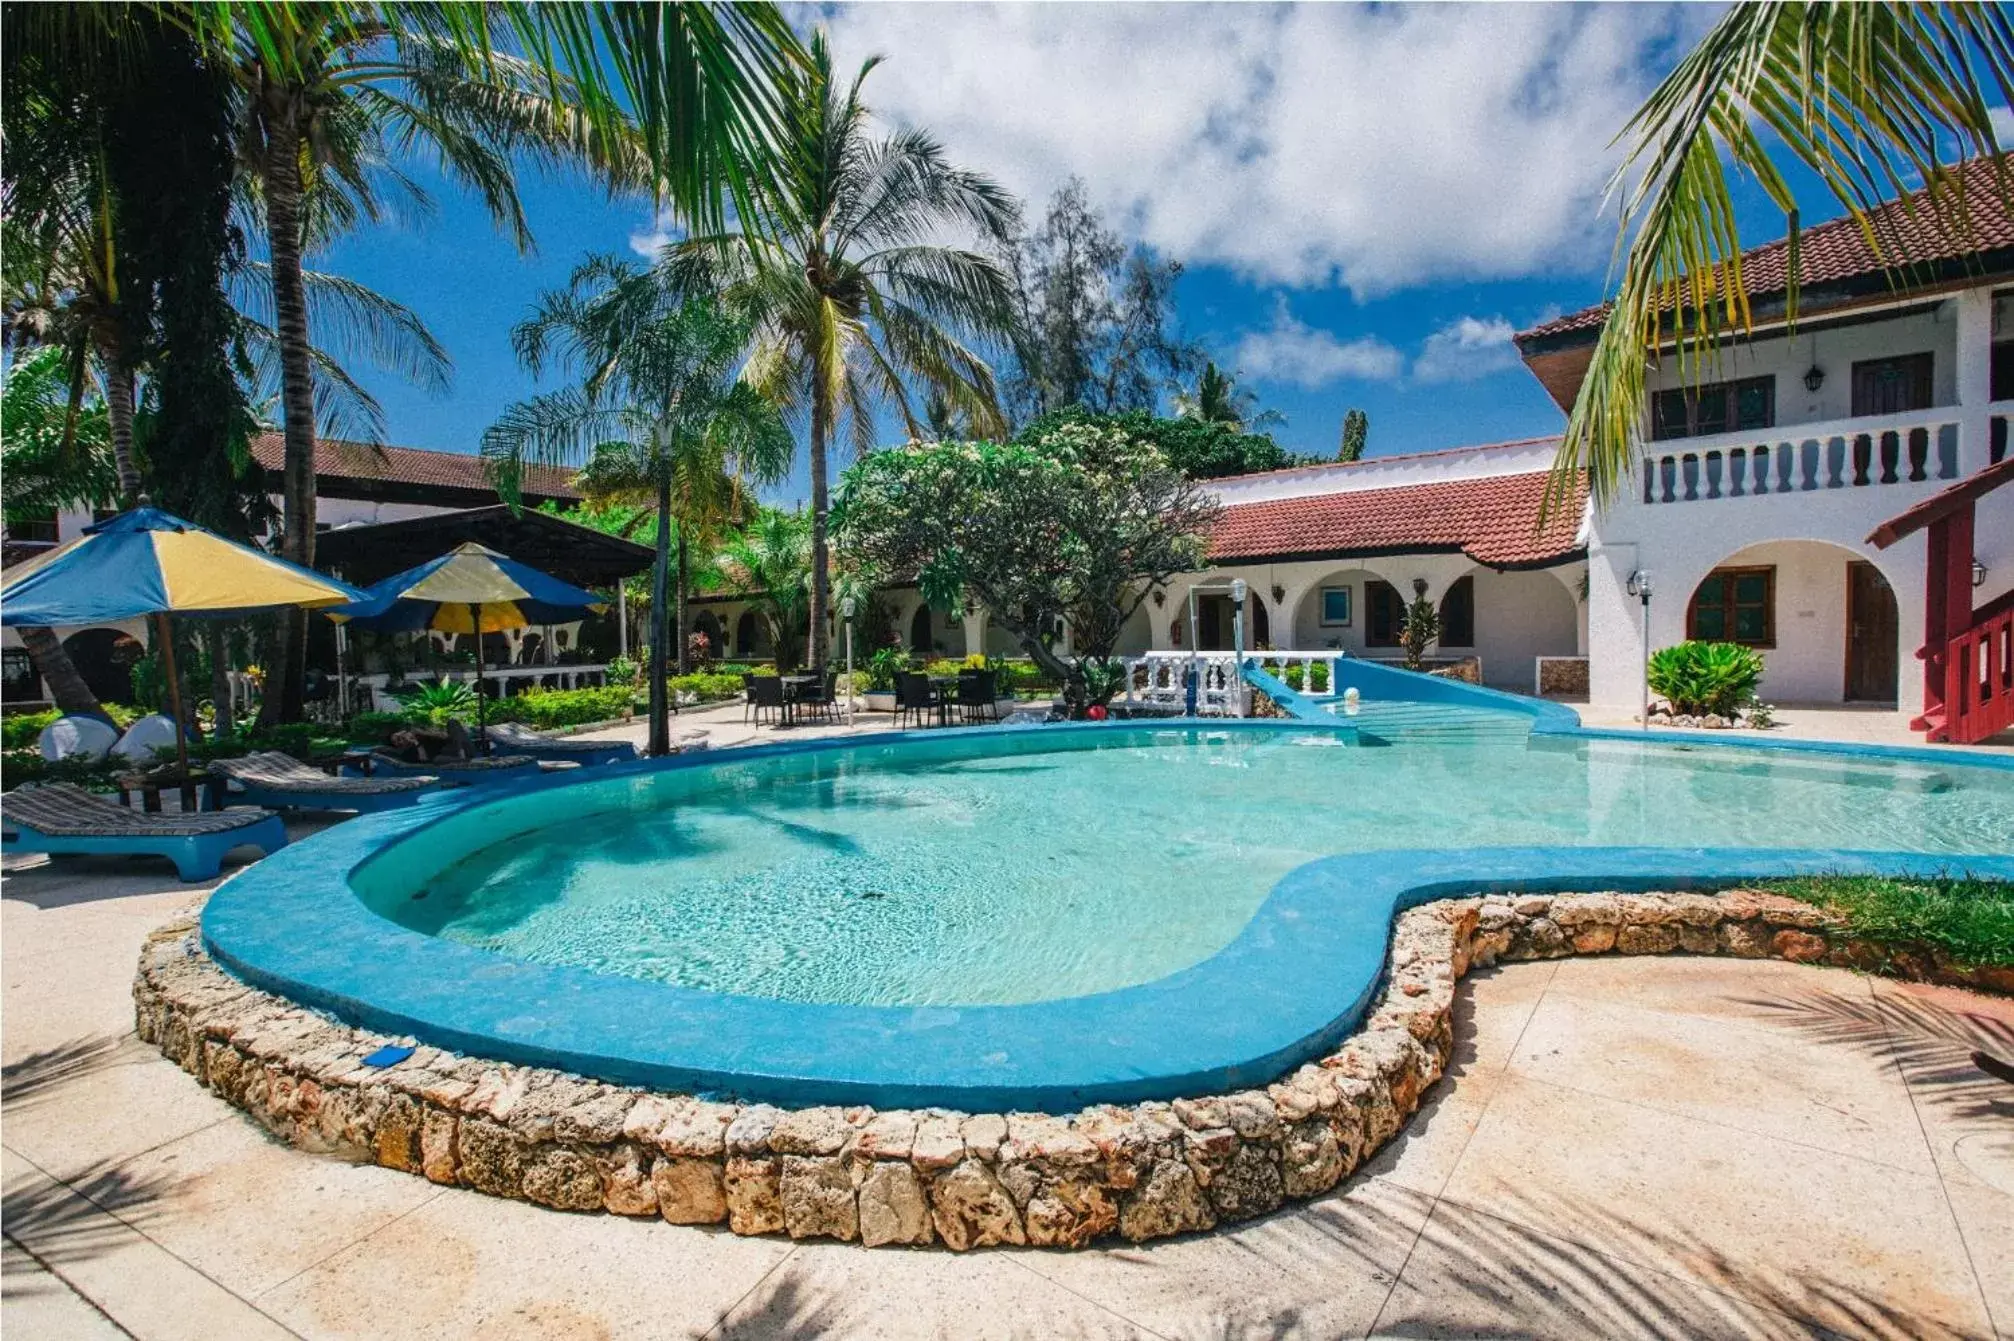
[842, 1290]
[1759, 1079]
[1767, 991]
[1473, 1275]
[90, 1111]
[1931, 1033]
[1806, 1233]
[310, 1207]
[467, 1265]
[140, 1285]
[35, 1306]
[1317, 1270]
[1986, 1220]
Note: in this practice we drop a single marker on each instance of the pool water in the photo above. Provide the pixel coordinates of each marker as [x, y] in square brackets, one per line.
[1030, 866]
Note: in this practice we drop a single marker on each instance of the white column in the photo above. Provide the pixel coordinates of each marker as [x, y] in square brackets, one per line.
[1974, 312]
[622, 618]
[975, 631]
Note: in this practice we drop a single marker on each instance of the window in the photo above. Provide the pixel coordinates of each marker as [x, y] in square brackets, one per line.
[1387, 614]
[32, 526]
[1716, 407]
[1735, 605]
[1458, 615]
[1335, 607]
[1892, 386]
[2003, 371]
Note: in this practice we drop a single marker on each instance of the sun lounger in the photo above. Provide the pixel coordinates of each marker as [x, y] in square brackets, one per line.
[280, 781]
[516, 736]
[62, 819]
[493, 769]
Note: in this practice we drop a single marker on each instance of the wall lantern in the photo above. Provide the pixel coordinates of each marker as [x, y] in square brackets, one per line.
[1160, 597]
[1814, 379]
[1279, 594]
[1978, 573]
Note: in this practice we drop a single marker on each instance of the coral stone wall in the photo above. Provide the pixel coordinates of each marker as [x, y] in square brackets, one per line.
[931, 1176]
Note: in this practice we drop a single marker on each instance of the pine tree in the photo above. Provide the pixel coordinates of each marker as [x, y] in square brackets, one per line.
[1356, 427]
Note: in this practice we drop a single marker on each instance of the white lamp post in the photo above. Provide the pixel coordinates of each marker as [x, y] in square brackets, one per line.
[1639, 587]
[846, 613]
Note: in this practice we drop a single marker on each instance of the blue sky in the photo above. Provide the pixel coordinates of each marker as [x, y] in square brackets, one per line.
[1368, 200]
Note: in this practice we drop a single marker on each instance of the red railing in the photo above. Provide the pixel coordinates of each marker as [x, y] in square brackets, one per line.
[1979, 676]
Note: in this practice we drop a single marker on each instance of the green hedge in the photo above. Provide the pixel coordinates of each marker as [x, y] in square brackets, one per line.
[704, 686]
[548, 708]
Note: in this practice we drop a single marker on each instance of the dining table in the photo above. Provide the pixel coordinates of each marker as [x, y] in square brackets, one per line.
[793, 685]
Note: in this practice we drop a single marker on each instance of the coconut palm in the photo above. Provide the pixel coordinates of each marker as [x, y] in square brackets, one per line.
[1869, 97]
[1220, 400]
[658, 404]
[852, 297]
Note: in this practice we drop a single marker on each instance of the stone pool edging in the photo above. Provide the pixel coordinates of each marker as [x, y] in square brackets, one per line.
[914, 1177]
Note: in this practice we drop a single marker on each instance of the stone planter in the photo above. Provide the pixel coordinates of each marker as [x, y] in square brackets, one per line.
[879, 700]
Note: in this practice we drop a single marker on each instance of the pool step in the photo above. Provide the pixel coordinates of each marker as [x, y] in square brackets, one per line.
[1399, 721]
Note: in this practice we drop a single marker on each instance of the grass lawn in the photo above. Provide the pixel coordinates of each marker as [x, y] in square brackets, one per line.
[1970, 920]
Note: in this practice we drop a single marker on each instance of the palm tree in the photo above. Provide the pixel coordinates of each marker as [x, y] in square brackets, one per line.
[1220, 400]
[659, 403]
[769, 559]
[1866, 96]
[851, 296]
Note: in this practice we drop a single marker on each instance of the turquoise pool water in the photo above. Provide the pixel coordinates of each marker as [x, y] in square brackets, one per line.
[1012, 869]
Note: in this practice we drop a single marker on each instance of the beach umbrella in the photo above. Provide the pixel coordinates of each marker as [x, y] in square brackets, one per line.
[472, 589]
[150, 564]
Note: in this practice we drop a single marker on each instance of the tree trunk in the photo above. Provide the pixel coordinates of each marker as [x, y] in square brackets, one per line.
[660, 718]
[282, 184]
[684, 648]
[67, 689]
[821, 576]
[119, 404]
[218, 648]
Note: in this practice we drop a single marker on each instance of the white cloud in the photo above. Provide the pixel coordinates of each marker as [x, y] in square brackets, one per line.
[663, 231]
[1375, 147]
[1292, 351]
[1466, 349]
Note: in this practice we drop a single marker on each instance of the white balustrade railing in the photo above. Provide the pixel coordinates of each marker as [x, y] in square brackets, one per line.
[1161, 679]
[506, 679]
[1805, 458]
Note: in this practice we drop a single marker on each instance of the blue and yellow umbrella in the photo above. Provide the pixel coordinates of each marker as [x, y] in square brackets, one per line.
[147, 563]
[471, 589]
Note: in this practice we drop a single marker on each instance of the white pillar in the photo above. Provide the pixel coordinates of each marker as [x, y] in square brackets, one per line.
[975, 631]
[622, 618]
[1974, 312]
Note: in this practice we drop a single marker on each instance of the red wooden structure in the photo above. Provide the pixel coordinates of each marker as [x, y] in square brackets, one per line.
[1967, 654]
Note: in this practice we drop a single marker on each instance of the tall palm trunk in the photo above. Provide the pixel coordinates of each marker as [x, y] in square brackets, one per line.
[119, 401]
[67, 689]
[660, 719]
[684, 589]
[218, 647]
[297, 399]
[821, 577]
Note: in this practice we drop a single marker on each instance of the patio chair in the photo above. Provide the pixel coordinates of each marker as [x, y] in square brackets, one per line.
[765, 694]
[63, 819]
[498, 767]
[523, 740]
[976, 697]
[915, 694]
[821, 698]
[282, 782]
[747, 694]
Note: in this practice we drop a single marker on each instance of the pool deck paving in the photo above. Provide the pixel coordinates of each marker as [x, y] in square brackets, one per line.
[1621, 1147]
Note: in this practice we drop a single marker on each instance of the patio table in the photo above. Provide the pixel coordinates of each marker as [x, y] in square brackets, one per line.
[792, 686]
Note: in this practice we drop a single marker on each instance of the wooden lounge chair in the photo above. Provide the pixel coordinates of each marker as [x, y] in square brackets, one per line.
[524, 740]
[65, 820]
[281, 782]
[495, 768]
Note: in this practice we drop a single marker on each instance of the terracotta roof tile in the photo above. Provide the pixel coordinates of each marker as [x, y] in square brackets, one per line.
[1494, 520]
[1837, 250]
[409, 465]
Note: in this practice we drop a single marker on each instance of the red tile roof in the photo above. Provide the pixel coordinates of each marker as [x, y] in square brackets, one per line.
[1910, 231]
[1493, 520]
[337, 459]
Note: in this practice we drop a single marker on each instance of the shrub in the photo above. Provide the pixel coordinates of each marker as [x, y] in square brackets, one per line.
[883, 667]
[548, 708]
[622, 670]
[376, 727]
[1422, 625]
[25, 728]
[441, 702]
[18, 766]
[303, 740]
[735, 668]
[1697, 678]
[1296, 673]
[704, 686]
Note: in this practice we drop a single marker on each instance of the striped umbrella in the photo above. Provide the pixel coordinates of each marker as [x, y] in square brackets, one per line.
[472, 589]
[147, 563]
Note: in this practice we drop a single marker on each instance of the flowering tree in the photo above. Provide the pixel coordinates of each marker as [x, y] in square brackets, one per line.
[1077, 523]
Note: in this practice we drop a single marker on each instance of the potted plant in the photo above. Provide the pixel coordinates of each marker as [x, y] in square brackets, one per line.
[879, 677]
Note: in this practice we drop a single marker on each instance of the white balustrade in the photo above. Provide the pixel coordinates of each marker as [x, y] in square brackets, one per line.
[1160, 679]
[1805, 458]
[502, 677]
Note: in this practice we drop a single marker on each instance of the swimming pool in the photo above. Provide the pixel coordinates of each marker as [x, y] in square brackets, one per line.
[956, 872]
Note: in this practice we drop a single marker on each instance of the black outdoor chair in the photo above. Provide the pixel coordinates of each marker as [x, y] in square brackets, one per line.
[976, 697]
[765, 694]
[747, 694]
[915, 694]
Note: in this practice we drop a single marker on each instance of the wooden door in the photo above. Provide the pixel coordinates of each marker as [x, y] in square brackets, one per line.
[1893, 385]
[1870, 635]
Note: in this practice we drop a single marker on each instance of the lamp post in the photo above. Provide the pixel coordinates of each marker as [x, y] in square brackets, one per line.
[846, 613]
[1639, 587]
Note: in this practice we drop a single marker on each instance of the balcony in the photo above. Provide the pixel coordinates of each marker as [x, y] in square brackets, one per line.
[1916, 447]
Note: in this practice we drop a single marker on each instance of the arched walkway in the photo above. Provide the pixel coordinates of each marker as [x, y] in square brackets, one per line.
[104, 658]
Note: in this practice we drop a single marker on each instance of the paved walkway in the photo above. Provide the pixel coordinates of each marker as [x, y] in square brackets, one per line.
[1624, 1147]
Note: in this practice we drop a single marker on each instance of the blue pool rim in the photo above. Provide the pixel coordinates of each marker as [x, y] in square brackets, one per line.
[1290, 987]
